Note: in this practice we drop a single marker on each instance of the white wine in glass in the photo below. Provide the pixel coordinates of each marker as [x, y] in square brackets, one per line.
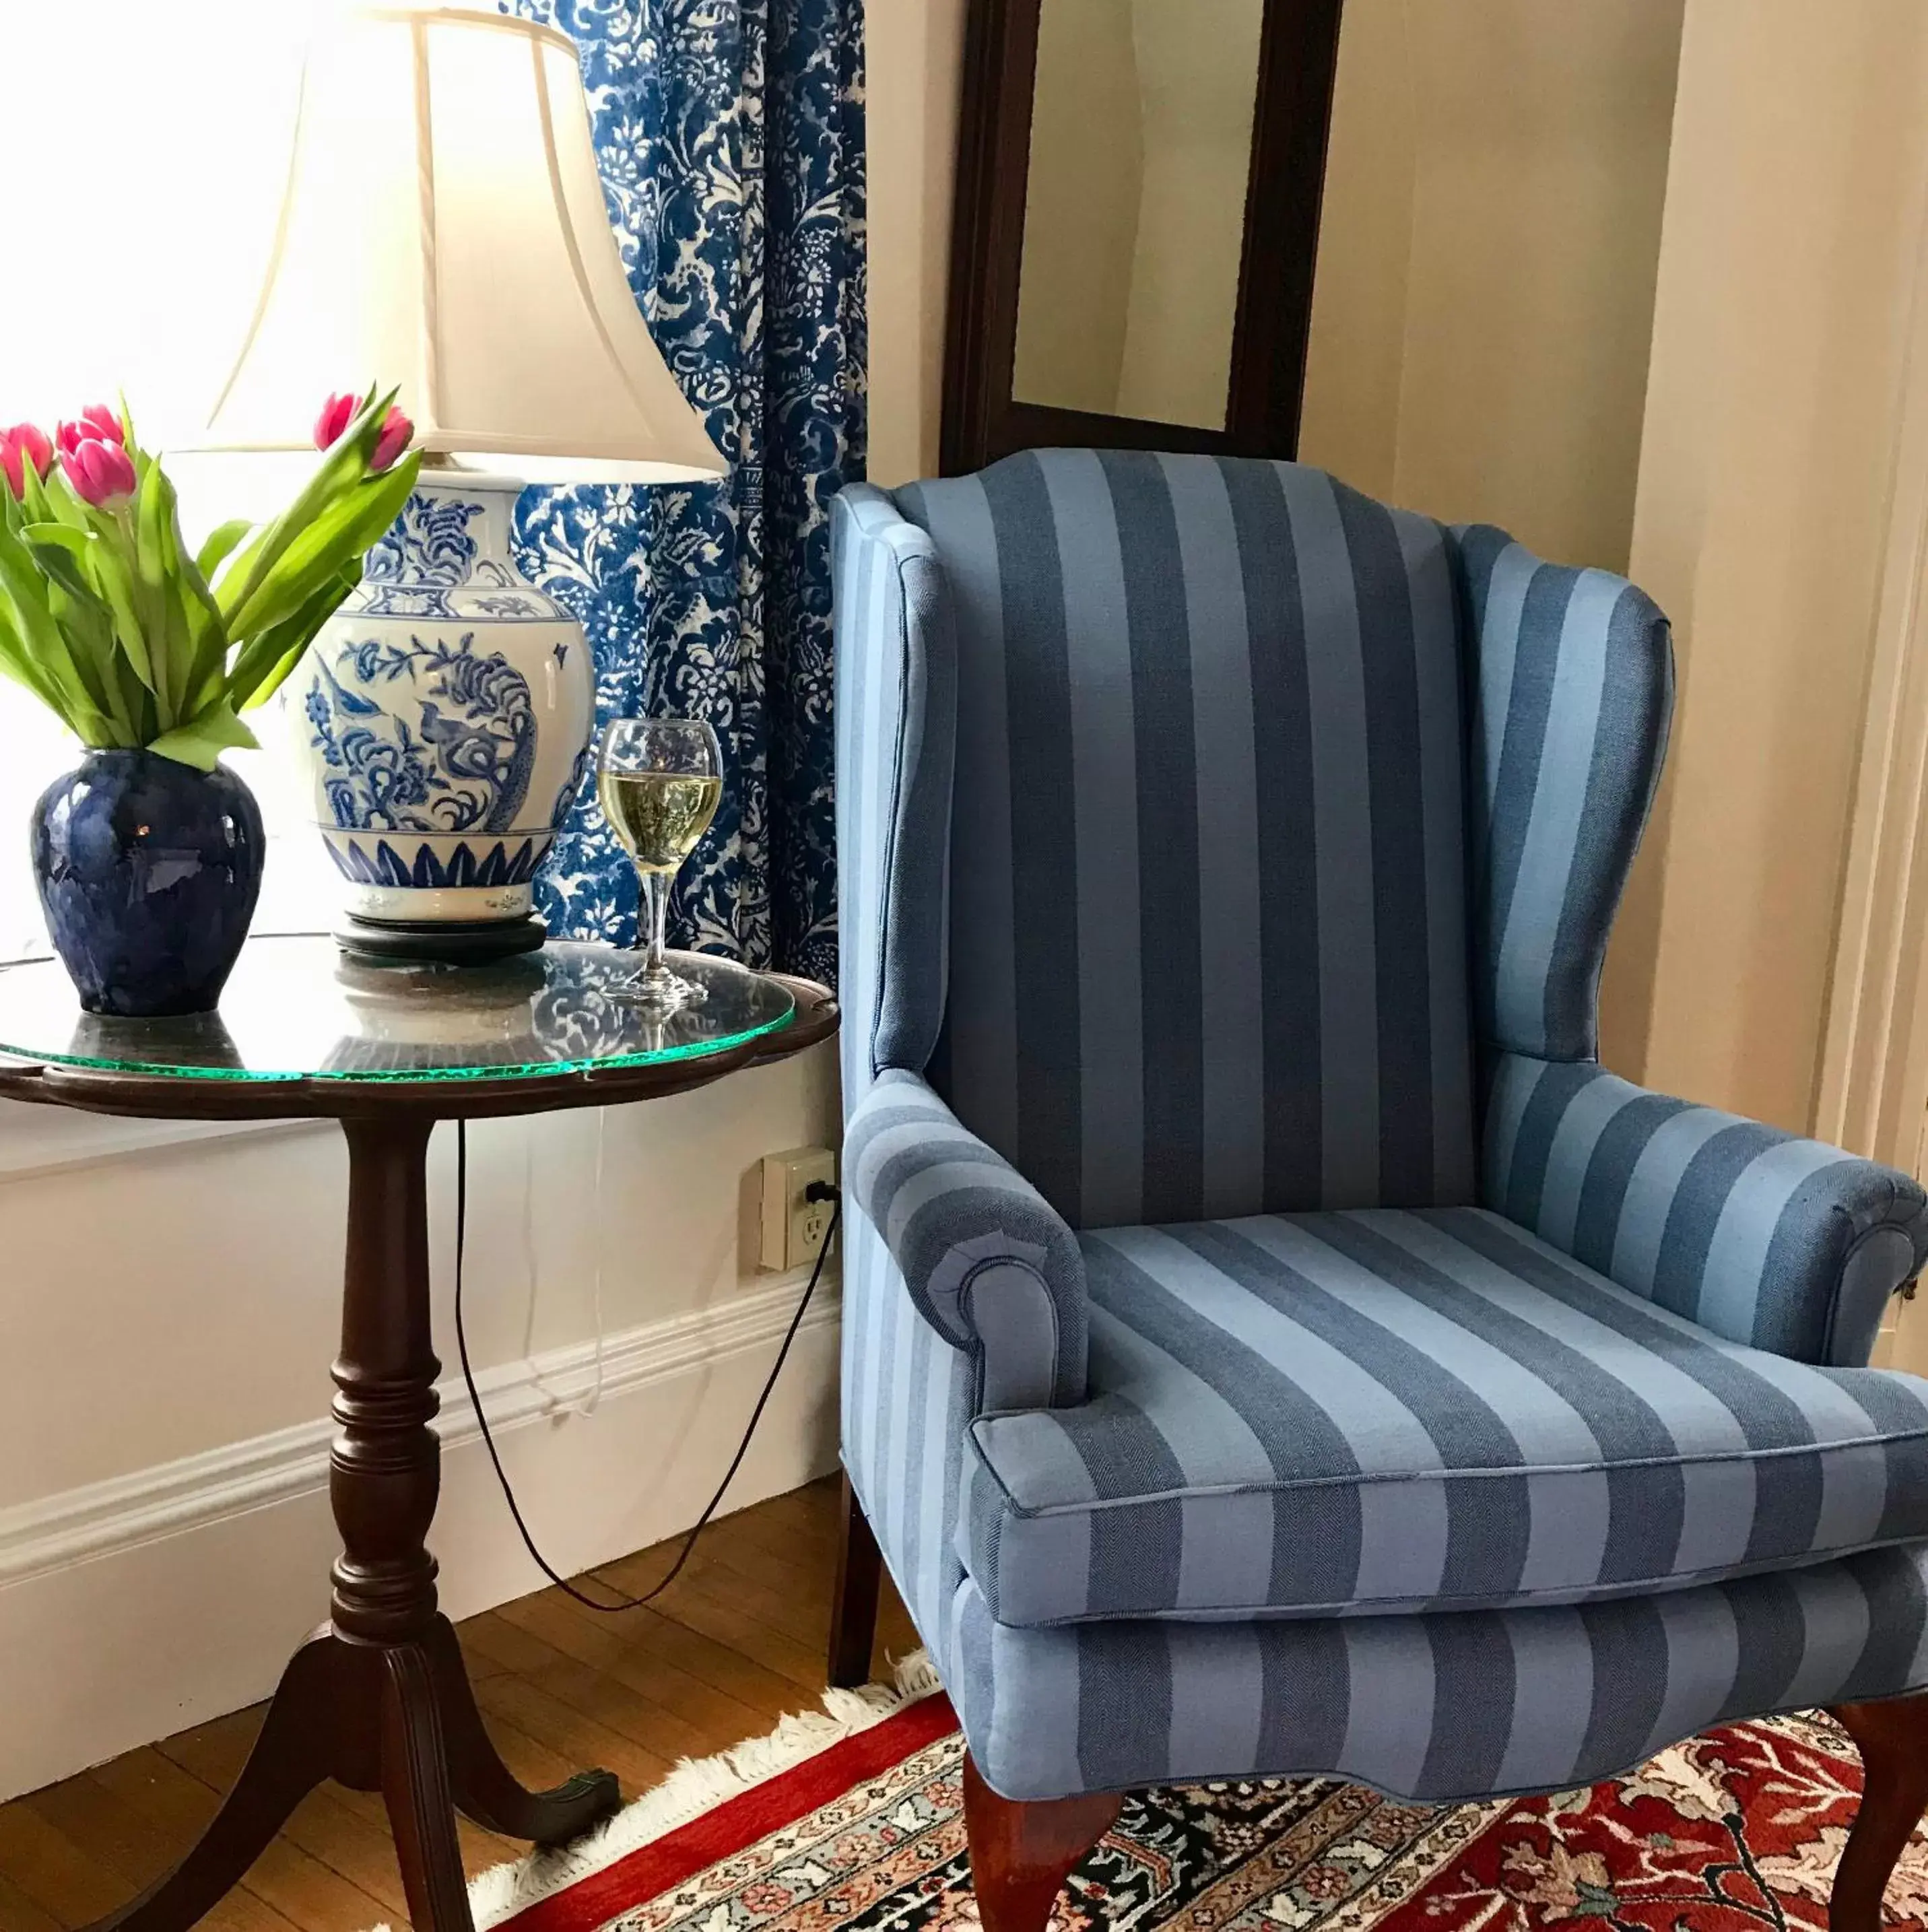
[658, 816]
[660, 780]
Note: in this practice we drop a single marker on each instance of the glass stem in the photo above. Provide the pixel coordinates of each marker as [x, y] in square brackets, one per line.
[656, 922]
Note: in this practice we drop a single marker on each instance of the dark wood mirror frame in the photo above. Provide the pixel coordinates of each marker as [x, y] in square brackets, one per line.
[1298, 52]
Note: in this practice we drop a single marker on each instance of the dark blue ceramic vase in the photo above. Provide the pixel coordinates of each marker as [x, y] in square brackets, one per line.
[148, 870]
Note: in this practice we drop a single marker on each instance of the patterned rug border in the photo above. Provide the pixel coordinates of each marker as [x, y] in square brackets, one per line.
[708, 1806]
[666, 1860]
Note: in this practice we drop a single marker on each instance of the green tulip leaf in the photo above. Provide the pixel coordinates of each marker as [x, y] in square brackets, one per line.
[17, 661]
[109, 572]
[340, 533]
[220, 546]
[343, 465]
[76, 543]
[154, 519]
[59, 561]
[86, 708]
[266, 663]
[201, 741]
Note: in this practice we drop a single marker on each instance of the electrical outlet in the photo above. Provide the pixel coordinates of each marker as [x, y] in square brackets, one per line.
[794, 1227]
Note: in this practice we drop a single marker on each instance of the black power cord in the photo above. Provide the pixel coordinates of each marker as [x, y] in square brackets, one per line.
[818, 1190]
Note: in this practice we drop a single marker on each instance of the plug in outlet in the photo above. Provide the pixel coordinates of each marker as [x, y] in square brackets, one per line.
[794, 1227]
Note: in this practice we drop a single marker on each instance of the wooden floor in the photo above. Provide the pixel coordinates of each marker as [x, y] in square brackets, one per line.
[739, 1639]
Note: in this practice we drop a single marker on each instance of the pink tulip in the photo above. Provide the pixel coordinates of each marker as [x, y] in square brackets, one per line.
[21, 444]
[102, 472]
[338, 412]
[341, 409]
[397, 432]
[97, 423]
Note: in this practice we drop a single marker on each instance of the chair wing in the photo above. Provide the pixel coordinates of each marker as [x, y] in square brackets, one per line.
[896, 703]
[1572, 675]
[985, 1259]
[1759, 1236]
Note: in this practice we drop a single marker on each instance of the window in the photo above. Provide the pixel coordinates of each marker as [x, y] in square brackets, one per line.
[131, 263]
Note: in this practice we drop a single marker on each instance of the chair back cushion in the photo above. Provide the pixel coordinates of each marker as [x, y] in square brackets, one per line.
[1208, 936]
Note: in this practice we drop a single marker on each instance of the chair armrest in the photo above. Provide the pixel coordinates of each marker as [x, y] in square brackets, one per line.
[1764, 1238]
[989, 1262]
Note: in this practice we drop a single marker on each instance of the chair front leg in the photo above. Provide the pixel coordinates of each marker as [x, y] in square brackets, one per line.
[1020, 1855]
[860, 1576]
[1892, 1737]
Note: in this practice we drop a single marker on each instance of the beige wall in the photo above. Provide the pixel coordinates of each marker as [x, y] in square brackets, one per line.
[1355, 359]
[915, 49]
[1793, 224]
[1485, 287]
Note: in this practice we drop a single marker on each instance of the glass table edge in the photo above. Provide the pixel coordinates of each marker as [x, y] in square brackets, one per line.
[390, 1076]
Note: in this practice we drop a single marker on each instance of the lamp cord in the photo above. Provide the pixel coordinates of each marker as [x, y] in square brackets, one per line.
[818, 1190]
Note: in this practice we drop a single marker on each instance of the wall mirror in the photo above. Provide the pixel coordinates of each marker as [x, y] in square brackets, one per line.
[1138, 190]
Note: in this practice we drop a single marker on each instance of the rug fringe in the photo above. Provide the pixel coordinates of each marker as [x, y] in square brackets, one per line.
[695, 1786]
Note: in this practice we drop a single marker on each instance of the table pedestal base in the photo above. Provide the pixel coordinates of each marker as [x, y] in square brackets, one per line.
[378, 1698]
[400, 1719]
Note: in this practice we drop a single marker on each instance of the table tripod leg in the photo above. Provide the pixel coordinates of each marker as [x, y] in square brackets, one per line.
[486, 1789]
[294, 1754]
[415, 1784]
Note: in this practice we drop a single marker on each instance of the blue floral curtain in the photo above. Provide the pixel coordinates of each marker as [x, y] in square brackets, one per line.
[730, 135]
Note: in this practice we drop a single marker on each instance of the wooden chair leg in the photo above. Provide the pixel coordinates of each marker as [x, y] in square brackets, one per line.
[860, 1576]
[1892, 1737]
[1020, 1855]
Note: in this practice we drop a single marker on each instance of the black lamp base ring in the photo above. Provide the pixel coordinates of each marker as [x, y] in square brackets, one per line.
[477, 942]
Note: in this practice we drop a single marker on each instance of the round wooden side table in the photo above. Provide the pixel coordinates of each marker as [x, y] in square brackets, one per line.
[378, 1698]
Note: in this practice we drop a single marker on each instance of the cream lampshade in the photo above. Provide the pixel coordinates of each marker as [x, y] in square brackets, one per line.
[444, 232]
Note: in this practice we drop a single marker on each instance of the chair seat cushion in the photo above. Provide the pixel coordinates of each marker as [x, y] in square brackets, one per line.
[1383, 1410]
[1453, 1708]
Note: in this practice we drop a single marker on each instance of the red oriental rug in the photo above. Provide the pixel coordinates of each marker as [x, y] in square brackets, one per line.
[1736, 1831]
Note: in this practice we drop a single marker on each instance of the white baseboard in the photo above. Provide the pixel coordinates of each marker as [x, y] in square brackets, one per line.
[132, 1608]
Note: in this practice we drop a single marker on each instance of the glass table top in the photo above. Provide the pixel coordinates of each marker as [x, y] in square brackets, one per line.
[297, 1008]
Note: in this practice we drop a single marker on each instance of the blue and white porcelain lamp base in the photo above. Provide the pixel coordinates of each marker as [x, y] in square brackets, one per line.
[444, 714]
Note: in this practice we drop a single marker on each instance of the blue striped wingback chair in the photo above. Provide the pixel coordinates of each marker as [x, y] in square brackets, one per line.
[1272, 1343]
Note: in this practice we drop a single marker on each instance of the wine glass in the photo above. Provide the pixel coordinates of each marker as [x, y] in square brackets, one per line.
[659, 780]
